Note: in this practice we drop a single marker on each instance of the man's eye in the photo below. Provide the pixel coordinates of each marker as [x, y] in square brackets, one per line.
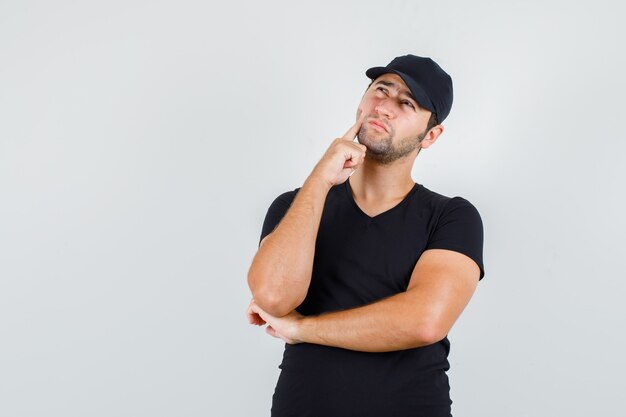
[409, 103]
[381, 89]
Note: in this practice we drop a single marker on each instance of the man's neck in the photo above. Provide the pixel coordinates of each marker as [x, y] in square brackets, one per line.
[374, 183]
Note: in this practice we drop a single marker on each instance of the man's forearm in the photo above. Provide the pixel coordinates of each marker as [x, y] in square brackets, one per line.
[280, 273]
[394, 323]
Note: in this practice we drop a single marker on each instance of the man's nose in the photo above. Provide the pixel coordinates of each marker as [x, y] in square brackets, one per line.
[384, 109]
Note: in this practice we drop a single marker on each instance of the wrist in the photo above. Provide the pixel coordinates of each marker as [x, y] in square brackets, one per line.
[305, 329]
[318, 182]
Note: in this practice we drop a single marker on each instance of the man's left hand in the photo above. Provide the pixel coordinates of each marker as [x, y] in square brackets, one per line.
[286, 328]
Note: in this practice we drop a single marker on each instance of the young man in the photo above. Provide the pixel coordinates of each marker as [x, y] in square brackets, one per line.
[362, 271]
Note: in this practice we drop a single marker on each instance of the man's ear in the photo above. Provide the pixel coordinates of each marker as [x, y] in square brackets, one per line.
[431, 136]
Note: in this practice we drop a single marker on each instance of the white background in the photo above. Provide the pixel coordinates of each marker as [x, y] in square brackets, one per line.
[141, 143]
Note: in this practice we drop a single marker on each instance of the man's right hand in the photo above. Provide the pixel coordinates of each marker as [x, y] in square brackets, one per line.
[341, 158]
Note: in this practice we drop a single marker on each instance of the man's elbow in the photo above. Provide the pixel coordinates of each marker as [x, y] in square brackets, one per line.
[273, 304]
[430, 334]
[273, 301]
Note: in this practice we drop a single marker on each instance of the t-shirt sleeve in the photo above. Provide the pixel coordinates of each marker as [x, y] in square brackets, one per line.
[276, 212]
[460, 229]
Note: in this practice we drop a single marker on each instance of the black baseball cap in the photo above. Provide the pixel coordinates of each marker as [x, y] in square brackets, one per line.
[429, 83]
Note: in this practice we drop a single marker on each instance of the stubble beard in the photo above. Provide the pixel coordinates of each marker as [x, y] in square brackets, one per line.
[382, 150]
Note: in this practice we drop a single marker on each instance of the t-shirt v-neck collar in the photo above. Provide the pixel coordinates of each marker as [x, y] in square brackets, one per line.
[348, 191]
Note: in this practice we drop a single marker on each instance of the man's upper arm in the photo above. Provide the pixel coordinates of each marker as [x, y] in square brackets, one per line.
[276, 212]
[442, 283]
[447, 272]
[263, 240]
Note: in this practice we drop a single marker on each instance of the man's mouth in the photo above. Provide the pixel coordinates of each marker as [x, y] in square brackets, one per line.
[378, 125]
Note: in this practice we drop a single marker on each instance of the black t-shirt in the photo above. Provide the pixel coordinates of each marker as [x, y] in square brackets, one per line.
[358, 260]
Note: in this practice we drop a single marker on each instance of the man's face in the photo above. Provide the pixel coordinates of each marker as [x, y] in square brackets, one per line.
[394, 122]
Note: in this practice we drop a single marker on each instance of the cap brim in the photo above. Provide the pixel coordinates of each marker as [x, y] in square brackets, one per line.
[417, 90]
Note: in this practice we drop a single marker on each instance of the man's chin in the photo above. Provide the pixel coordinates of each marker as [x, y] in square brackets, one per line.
[376, 152]
[374, 145]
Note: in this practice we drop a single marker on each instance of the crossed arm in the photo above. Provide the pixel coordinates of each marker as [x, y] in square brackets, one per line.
[441, 285]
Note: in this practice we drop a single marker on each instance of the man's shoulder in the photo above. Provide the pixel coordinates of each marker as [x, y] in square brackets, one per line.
[432, 198]
[440, 202]
[287, 196]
